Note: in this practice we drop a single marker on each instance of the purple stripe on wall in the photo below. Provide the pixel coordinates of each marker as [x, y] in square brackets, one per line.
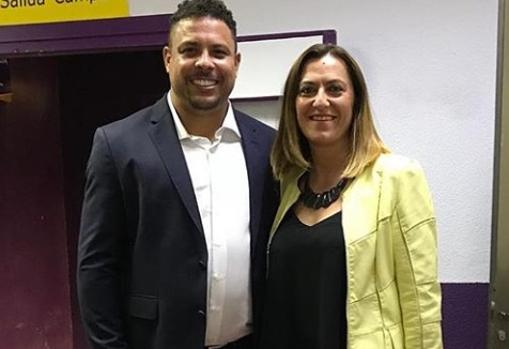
[329, 36]
[465, 315]
[106, 35]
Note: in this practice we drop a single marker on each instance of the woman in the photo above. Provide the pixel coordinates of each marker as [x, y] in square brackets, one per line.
[352, 251]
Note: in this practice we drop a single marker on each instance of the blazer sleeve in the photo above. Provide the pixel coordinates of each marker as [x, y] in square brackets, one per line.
[415, 251]
[100, 250]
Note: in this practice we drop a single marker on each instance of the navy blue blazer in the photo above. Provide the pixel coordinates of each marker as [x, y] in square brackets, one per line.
[142, 255]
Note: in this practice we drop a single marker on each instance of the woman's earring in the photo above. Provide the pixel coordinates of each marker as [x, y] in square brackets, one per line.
[354, 138]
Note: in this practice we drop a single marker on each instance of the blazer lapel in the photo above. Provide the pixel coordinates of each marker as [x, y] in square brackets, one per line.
[164, 137]
[255, 172]
[361, 201]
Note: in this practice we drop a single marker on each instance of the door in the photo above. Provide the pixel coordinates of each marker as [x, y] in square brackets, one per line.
[498, 337]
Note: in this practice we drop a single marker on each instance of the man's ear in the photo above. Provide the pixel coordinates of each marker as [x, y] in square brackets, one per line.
[166, 58]
[237, 62]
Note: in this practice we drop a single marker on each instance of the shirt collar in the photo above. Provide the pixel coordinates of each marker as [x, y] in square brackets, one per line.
[229, 122]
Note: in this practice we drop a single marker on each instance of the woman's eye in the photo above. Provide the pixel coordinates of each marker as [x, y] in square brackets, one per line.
[336, 89]
[306, 90]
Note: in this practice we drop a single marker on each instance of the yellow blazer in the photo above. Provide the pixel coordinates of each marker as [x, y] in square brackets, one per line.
[393, 294]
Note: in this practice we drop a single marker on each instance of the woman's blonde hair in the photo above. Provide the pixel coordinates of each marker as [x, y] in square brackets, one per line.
[291, 148]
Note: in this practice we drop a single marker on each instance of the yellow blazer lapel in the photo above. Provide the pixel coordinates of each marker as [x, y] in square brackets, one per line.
[361, 201]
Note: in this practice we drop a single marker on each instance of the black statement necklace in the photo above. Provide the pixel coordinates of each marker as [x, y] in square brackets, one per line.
[321, 200]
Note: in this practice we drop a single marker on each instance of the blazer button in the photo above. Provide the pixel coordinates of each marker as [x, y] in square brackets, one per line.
[202, 265]
[201, 313]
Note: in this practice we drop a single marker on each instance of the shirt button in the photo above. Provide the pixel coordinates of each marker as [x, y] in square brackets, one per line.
[202, 265]
[217, 276]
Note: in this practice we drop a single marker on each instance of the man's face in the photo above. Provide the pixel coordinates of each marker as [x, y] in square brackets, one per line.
[202, 64]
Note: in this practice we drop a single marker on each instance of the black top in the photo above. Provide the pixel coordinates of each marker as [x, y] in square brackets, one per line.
[306, 287]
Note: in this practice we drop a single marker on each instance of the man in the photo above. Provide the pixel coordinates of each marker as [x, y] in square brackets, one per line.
[177, 205]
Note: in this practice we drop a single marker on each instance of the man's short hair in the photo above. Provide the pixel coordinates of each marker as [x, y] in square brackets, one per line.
[204, 8]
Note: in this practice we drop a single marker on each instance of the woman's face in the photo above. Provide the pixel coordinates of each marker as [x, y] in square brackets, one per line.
[324, 103]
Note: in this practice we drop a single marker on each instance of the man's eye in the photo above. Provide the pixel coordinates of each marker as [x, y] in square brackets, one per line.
[188, 51]
[220, 53]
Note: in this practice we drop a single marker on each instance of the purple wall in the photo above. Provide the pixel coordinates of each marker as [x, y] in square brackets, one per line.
[465, 315]
[34, 284]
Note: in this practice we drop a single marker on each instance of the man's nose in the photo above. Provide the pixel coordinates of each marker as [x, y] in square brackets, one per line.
[205, 61]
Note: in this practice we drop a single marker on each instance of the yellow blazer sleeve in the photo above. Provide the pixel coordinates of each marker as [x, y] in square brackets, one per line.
[415, 255]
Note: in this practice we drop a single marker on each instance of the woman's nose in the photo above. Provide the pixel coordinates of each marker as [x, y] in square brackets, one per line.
[321, 99]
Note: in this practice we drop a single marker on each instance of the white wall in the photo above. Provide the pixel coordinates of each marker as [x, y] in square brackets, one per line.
[430, 67]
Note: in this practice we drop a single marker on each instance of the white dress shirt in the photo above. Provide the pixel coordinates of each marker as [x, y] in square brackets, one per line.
[219, 175]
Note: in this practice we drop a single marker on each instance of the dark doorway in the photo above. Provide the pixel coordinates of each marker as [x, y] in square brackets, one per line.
[96, 89]
[45, 138]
